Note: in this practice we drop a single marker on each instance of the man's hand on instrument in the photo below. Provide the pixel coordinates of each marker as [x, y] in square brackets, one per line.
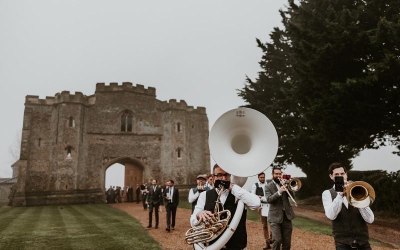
[204, 215]
[282, 189]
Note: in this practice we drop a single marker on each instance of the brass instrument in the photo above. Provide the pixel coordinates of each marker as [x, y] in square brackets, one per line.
[293, 184]
[244, 143]
[360, 194]
[207, 231]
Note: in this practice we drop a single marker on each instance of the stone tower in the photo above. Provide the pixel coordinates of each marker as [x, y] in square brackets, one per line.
[69, 141]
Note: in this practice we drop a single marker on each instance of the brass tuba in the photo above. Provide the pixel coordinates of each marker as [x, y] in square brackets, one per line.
[209, 230]
[244, 143]
[360, 194]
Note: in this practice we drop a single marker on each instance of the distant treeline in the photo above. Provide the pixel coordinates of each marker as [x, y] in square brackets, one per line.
[386, 185]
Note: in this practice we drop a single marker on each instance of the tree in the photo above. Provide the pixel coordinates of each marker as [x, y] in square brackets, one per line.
[329, 81]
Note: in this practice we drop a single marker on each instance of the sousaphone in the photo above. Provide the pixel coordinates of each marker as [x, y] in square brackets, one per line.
[244, 143]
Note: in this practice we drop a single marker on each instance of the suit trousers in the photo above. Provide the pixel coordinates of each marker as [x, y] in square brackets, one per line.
[282, 234]
[171, 214]
[156, 207]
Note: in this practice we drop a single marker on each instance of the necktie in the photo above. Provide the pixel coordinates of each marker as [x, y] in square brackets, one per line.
[170, 195]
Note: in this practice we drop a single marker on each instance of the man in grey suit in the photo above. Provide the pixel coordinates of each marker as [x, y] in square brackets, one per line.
[281, 213]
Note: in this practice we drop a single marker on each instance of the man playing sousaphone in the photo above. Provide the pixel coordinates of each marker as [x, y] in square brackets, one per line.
[229, 197]
[349, 223]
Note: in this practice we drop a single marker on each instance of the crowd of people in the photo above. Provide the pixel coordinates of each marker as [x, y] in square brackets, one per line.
[272, 199]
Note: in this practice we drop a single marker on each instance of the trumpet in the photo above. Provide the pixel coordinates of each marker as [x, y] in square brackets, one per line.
[292, 184]
[360, 194]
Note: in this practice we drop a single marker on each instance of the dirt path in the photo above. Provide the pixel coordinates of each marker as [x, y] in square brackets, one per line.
[175, 239]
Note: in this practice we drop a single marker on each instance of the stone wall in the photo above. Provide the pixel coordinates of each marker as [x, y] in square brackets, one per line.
[69, 140]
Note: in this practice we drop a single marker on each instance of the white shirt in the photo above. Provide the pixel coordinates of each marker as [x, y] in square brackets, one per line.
[264, 204]
[250, 200]
[333, 207]
[192, 195]
[171, 193]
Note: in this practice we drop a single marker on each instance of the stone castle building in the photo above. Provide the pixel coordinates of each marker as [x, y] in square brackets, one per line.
[69, 141]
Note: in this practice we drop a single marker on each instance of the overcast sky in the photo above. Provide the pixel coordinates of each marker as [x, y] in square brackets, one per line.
[198, 51]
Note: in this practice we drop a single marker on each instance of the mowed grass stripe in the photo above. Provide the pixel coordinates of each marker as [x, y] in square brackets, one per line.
[50, 231]
[18, 232]
[85, 230]
[8, 215]
[72, 227]
[130, 232]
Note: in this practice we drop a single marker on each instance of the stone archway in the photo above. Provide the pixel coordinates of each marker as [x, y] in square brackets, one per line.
[133, 171]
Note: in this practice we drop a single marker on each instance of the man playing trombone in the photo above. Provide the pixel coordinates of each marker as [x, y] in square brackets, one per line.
[349, 223]
[281, 213]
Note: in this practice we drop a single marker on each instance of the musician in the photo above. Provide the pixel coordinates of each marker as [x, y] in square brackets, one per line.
[229, 197]
[210, 181]
[349, 224]
[194, 193]
[258, 189]
[171, 196]
[154, 199]
[281, 213]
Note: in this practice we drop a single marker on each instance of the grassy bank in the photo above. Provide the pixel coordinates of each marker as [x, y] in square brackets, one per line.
[71, 227]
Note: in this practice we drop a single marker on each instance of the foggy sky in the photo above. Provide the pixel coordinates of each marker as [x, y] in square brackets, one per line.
[198, 51]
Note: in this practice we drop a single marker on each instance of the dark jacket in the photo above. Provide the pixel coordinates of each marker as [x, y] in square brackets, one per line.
[278, 204]
[154, 196]
[175, 196]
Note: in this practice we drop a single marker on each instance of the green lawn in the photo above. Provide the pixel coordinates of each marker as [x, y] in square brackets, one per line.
[71, 227]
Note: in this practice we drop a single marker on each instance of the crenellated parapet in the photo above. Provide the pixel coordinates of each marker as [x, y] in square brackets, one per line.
[63, 97]
[181, 105]
[126, 86]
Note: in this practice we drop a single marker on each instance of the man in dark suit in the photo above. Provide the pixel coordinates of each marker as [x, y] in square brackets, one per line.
[281, 213]
[171, 195]
[154, 200]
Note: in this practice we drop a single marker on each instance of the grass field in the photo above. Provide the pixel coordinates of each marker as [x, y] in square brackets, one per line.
[71, 227]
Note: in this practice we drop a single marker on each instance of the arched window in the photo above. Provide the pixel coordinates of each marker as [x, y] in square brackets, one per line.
[126, 121]
[71, 122]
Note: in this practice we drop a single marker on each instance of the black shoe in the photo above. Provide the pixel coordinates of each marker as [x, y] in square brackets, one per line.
[168, 229]
[149, 226]
[156, 227]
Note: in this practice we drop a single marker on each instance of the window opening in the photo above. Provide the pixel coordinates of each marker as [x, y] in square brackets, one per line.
[69, 153]
[178, 127]
[126, 122]
[71, 122]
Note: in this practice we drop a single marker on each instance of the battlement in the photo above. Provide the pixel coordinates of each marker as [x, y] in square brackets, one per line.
[65, 96]
[126, 86]
[181, 104]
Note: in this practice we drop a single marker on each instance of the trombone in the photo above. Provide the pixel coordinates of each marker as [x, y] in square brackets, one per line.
[294, 184]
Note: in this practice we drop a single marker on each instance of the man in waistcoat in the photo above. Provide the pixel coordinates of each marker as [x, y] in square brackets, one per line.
[171, 195]
[280, 213]
[258, 189]
[229, 198]
[195, 192]
[349, 224]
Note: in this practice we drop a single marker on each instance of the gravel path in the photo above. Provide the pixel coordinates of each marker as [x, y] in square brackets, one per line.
[175, 239]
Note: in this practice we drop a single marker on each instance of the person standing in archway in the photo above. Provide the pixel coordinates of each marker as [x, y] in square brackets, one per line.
[154, 200]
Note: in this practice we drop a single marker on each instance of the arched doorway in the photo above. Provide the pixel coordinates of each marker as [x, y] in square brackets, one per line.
[126, 173]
